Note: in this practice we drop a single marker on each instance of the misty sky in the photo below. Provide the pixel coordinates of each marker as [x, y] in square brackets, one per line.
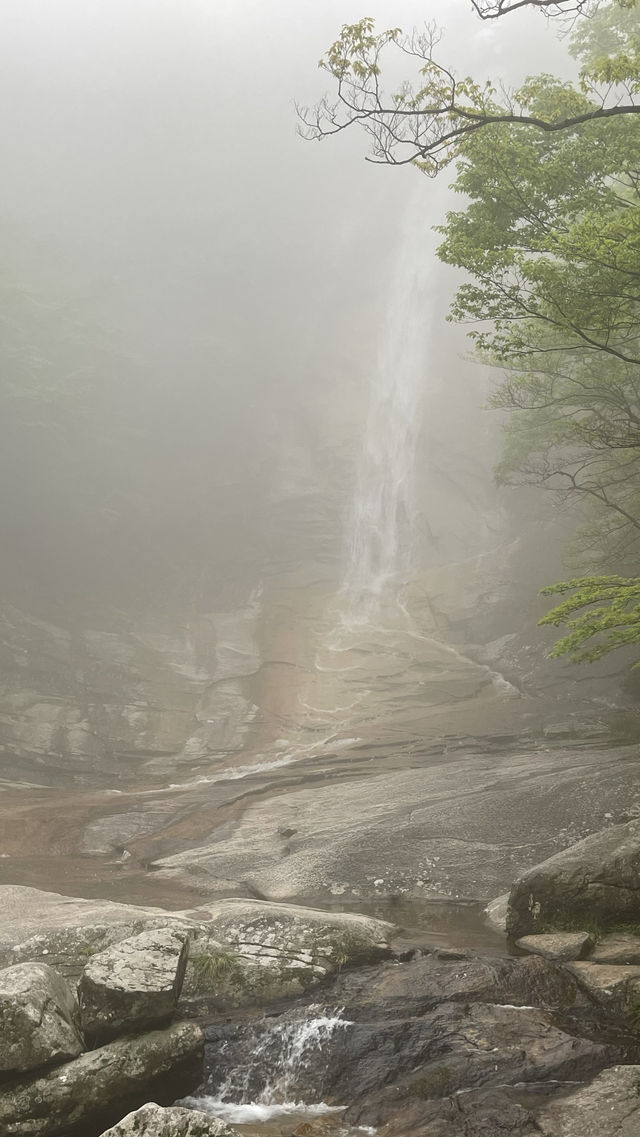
[155, 187]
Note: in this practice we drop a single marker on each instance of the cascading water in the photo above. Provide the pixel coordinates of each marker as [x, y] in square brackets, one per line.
[383, 511]
[272, 1070]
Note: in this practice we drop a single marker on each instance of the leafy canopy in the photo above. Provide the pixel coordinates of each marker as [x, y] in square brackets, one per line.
[427, 118]
[550, 239]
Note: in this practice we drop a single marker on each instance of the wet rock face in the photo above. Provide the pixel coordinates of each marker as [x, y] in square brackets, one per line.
[461, 820]
[155, 1121]
[132, 986]
[608, 1107]
[595, 881]
[39, 1017]
[421, 1046]
[100, 1085]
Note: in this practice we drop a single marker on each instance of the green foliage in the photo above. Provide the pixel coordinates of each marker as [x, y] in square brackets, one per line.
[550, 239]
[601, 613]
[429, 117]
[213, 968]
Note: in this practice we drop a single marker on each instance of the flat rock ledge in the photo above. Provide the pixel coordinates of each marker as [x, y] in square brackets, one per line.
[560, 946]
[155, 1121]
[39, 1018]
[132, 986]
[608, 1107]
[242, 951]
[89, 1090]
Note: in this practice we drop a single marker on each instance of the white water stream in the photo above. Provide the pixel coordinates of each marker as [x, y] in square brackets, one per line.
[267, 1086]
[382, 519]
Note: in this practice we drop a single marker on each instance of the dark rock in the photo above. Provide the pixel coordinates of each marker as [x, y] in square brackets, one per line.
[596, 881]
[93, 1090]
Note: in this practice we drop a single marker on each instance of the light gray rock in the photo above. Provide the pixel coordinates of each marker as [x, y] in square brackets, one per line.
[254, 951]
[39, 1017]
[595, 881]
[132, 986]
[65, 931]
[496, 912]
[614, 987]
[607, 1107]
[619, 947]
[155, 1121]
[561, 946]
[86, 1091]
[461, 822]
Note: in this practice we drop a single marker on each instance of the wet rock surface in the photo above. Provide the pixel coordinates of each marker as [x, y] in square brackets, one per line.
[39, 1015]
[132, 986]
[99, 1086]
[429, 1047]
[461, 817]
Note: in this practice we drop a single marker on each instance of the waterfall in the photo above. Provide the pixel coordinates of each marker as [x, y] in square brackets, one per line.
[383, 510]
[271, 1070]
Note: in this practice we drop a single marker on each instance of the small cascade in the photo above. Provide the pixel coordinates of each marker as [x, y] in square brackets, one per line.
[271, 1070]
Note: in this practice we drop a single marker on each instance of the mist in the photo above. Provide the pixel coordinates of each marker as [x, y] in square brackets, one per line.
[293, 785]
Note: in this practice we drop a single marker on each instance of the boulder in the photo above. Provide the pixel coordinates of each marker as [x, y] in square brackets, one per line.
[246, 950]
[619, 947]
[155, 1121]
[64, 931]
[608, 1107]
[596, 882]
[561, 946]
[133, 985]
[253, 951]
[91, 1092]
[496, 912]
[39, 1016]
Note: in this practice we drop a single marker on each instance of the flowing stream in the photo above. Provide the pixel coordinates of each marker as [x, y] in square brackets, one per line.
[269, 1076]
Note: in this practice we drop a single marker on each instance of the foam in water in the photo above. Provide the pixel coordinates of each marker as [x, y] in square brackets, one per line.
[281, 1055]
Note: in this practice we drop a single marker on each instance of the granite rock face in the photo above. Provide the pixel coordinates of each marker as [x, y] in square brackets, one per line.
[595, 881]
[254, 951]
[155, 1121]
[39, 1016]
[241, 951]
[132, 986]
[88, 1091]
[608, 1107]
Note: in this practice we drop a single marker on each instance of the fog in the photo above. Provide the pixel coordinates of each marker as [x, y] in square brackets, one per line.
[212, 281]
[271, 663]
